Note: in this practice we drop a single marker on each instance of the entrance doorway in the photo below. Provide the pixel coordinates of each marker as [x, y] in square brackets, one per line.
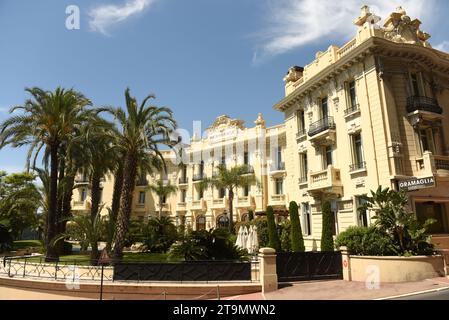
[436, 211]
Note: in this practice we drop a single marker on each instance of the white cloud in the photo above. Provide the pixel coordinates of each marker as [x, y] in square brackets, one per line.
[295, 23]
[443, 46]
[103, 17]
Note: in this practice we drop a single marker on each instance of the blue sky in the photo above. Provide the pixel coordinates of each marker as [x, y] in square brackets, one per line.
[202, 58]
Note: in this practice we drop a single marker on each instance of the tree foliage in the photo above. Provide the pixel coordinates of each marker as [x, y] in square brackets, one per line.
[297, 240]
[327, 238]
[273, 236]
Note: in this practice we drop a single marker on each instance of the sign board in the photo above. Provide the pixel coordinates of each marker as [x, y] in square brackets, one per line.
[417, 184]
[218, 136]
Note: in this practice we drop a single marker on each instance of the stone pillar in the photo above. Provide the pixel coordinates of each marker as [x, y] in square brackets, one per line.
[268, 274]
[346, 261]
[445, 254]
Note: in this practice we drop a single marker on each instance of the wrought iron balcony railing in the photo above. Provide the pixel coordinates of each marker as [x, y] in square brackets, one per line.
[183, 180]
[353, 109]
[417, 103]
[322, 125]
[357, 166]
[198, 177]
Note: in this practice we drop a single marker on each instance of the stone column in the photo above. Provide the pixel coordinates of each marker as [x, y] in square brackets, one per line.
[346, 261]
[445, 254]
[268, 274]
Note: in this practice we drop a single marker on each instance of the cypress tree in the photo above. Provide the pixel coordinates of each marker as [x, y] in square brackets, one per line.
[273, 237]
[296, 231]
[250, 215]
[327, 239]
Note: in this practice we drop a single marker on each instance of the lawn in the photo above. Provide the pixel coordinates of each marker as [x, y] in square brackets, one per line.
[84, 259]
[23, 244]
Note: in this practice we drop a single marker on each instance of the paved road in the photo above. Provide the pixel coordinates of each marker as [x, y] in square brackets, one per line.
[440, 295]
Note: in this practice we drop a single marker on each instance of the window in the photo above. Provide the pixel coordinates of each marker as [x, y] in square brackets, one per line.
[427, 140]
[279, 157]
[201, 223]
[141, 197]
[221, 193]
[303, 167]
[279, 186]
[83, 194]
[164, 199]
[200, 194]
[301, 122]
[363, 218]
[328, 160]
[184, 173]
[307, 219]
[223, 161]
[358, 159]
[432, 210]
[352, 96]
[324, 108]
[223, 221]
[201, 168]
[183, 196]
[415, 79]
[245, 159]
[246, 191]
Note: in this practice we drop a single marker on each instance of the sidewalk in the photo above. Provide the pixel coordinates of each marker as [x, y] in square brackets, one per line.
[343, 290]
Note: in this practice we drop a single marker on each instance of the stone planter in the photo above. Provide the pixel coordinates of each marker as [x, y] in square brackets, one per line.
[392, 269]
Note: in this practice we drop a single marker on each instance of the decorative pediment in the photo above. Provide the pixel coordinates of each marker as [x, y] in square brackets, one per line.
[225, 121]
[399, 27]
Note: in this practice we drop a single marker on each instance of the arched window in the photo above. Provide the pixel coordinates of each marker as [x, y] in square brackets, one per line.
[223, 221]
[201, 223]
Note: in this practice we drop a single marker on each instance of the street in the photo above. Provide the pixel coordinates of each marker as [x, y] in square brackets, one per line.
[440, 295]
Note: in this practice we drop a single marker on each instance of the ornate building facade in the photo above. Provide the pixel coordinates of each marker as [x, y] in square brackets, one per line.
[371, 113]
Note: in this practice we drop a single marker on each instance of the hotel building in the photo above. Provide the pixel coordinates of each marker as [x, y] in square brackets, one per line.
[371, 113]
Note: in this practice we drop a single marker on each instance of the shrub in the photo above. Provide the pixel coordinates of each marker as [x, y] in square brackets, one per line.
[207, 245]
[262, 231]
[273, 236]
[6, 241]
[297, 240]
[327, 239]
[284, 229]
[67, 248]
[159, 234]
[250, 215]
[365, 242]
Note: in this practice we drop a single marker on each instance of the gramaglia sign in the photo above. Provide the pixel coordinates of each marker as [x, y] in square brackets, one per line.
[417, 184]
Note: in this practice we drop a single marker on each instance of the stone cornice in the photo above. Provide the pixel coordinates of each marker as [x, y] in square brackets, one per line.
[435, 60]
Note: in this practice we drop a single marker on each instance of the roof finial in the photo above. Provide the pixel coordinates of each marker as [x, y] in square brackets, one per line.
[260, 121]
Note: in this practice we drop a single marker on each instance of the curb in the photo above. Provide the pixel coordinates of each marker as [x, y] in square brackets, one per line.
[413, 294]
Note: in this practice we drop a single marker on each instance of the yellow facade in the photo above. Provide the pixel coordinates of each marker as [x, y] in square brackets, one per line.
[371, 113]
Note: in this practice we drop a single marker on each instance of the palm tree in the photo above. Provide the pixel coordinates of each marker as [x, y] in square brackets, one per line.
[142, 129]
[163, 191]
[48, 120]
[230, 180]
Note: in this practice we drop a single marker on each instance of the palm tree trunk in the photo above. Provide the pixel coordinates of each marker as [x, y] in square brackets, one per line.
[231, 209]
[160, 207]
[52, 207]
[59, 246]
[96, 192]
[67, 199]
[117, 193]
[129, 183]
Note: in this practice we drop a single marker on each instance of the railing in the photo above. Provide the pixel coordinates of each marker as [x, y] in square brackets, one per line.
[198, 177]
[357, 166]
[142, 183]
[182, 205]
[417, 103]
[351, 110]
[324, 124]
[303, 180]
[280, 166]
[278, 198]
[249, 169]
[441, 163]
[325, 179]
[301, 135]
[183, 180]
[346, 48]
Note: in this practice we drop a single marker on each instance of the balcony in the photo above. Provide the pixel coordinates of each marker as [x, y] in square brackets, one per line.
[303, 180]
[430, 165]
[181, 207]
[142, 183]
[322, 132]
[81, 205]
[357, 167]
[183, 181]
[249, 169]
[245, 202]
[198, 205]
[278, 200]
[198, 177]
[352, 111]
[301, 136]
[278, 169]
[326, 182]
[423, 105]
[220, 203]
[165, 207]
[81, 179]
[139, 205]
